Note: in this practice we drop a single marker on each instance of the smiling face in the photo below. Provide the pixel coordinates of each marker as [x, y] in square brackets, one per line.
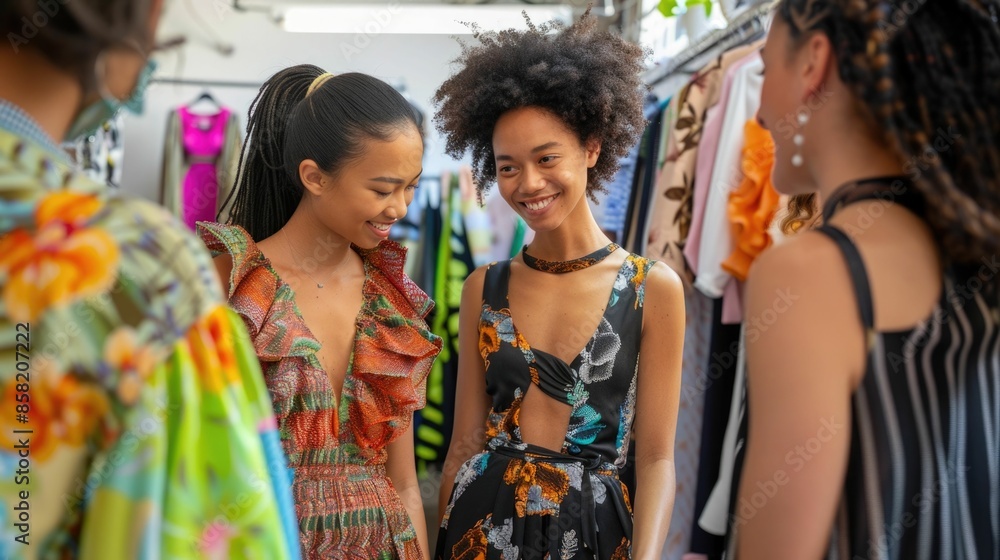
[541, 166]
[362, 201]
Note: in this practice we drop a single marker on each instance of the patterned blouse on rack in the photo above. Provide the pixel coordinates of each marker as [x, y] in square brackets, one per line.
[346, 504]
[148, 432]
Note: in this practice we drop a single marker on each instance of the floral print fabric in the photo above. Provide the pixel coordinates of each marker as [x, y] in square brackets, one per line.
[346, 505]
[150, 424]
[517, 500]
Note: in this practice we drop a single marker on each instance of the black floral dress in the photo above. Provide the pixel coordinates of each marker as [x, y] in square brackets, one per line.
[517, 500]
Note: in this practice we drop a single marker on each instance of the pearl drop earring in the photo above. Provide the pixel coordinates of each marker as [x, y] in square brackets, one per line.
[798, 139]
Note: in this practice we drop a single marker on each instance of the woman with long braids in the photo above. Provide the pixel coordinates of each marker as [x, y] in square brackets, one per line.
[551, 387]
[330, 164]
[874, 396]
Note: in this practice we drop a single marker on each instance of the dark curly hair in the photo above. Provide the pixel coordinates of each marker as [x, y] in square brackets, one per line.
[72, 34]
[920, 69]
[588, 78]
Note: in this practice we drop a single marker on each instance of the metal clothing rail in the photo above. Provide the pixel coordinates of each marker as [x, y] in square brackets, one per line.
[752, 20]
[206, 83]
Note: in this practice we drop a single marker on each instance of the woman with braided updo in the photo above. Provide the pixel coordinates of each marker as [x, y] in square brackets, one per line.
[874, 396]
[550, 378]
[331, 162]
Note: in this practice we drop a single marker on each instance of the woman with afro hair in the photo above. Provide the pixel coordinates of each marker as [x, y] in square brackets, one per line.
[550, 340]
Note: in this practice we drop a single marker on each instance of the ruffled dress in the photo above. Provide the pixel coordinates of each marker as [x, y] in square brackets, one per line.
[345, 504]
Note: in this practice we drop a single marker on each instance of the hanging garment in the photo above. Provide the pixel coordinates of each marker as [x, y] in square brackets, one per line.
[478, 227]
[612, 205]
[717, 240]
[672, 206]
[717, 395]
[506, 226]
[517, 500]
[714, 516]
[148, 421]
[687, 448]
[345, 502]
[101, 154]
[640, 210]
[705, 162]
[433, 424]
[754, 203]
[200, 159]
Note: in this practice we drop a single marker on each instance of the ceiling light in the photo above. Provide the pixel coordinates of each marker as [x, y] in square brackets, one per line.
[433, 19]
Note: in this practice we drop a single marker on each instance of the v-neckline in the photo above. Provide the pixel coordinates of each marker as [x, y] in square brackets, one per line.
[597, 329]
[340, 399]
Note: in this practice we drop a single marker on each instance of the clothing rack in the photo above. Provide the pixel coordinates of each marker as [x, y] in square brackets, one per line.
[206, 83]
[751, 21]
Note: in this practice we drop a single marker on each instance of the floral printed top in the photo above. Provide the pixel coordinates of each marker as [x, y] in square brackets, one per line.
[134, 422]
[520, 500]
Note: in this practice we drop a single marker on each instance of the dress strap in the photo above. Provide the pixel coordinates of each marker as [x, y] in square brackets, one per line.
[859, 275]
[892, 189]
[495, 284]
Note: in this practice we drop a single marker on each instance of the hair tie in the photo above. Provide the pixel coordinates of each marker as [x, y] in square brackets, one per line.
[319, 81]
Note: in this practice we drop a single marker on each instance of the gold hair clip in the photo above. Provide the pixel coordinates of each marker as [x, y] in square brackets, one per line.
[318, 82]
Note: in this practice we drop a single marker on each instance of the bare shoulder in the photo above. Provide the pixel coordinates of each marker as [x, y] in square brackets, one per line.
[663, 283]
[799, 295]
[474, 282]
[663, 300]
[805, 256]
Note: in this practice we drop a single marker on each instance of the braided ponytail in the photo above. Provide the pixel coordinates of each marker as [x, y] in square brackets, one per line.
[294, 119]
[926, 75]
[265, 196]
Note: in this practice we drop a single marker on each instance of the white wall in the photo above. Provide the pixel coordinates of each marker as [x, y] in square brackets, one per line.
[421, 62]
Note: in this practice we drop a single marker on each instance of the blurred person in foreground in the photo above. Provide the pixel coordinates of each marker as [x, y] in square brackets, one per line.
[134, 422]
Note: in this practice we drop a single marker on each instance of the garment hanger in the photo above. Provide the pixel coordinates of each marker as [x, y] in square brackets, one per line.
[204, 98]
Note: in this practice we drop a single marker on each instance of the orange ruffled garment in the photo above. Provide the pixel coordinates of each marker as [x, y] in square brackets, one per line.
[345, 504]
[753, 205]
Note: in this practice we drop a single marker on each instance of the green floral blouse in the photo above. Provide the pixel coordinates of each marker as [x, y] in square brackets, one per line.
[134, 422]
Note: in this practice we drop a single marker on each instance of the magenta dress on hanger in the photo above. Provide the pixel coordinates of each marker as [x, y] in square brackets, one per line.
[204, 137]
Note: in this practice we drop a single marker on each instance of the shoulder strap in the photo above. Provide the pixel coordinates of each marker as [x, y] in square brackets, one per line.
[856, 267]
[495, 284]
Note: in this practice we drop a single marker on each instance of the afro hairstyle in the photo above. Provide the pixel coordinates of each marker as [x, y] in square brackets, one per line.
[589, 78]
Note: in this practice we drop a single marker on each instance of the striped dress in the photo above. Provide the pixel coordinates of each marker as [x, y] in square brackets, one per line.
[923, 473]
